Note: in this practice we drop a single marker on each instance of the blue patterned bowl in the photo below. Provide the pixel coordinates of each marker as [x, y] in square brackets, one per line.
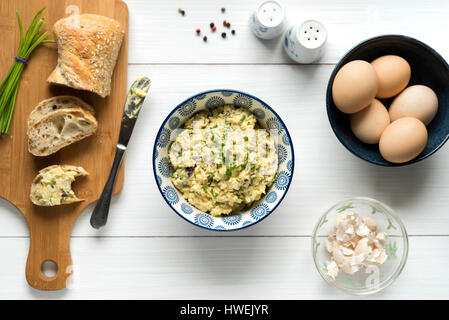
[267, 118]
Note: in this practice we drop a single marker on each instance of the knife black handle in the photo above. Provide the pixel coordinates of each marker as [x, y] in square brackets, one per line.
[100, 214]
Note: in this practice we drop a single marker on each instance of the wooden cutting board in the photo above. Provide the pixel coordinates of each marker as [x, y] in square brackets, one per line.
[50, 228]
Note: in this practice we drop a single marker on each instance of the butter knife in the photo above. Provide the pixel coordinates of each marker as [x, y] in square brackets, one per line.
[134, 102]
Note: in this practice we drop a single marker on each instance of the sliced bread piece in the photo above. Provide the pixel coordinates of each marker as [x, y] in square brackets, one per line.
[56, 103]
[53, 185]
[59, 129]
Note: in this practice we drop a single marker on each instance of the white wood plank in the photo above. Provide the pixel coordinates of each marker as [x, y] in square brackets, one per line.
[159, 34]
[325, 171]
[214, 268]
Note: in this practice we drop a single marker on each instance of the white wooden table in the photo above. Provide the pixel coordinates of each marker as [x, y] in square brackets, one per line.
[147, 251]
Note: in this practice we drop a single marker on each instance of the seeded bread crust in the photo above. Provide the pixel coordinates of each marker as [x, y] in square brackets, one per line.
[56, 103]
[36, 181]
[59, 129]
[88, 47]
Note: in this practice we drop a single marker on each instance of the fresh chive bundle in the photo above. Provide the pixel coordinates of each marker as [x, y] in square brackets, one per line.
[10, 86]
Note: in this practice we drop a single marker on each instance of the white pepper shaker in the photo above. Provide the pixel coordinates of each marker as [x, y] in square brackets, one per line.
[268, 21]
[304, 43]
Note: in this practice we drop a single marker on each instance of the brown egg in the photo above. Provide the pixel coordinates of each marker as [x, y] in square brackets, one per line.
[394, 74]
[369, 123]
[355, 86]
[403, 140]
[416, 101]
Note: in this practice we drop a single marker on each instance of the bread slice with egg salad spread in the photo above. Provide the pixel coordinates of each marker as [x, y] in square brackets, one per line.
[53, 185]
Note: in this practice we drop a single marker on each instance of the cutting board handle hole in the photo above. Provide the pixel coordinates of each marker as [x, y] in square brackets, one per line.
[49, 268]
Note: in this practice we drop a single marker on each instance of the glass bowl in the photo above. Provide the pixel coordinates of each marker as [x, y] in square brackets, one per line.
[371, 279]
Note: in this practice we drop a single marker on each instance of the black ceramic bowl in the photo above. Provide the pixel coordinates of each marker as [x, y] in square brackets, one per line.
[428, 68]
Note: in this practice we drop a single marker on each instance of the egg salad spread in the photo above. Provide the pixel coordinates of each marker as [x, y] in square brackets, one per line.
[55, 186]
[223, 161]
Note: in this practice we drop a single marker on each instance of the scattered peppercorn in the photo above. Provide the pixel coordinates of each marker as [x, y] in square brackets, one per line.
[212, 25]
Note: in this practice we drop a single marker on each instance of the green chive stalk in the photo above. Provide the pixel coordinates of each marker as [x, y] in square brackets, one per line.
[10, 85]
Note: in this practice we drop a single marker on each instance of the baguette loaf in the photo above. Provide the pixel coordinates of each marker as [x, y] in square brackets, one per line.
[88, 47]
[56, 103]
[53, 185]
[59, 129]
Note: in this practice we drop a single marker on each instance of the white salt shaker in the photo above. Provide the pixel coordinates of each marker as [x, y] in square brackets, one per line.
[268, 21]
[304, 43]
